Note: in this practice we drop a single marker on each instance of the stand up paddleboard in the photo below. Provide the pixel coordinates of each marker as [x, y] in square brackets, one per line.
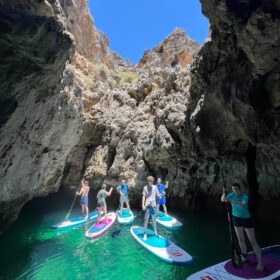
[161, 247]
[226, 271]
[125, 216]
[168, 221]
[98, 228]
[76, 221]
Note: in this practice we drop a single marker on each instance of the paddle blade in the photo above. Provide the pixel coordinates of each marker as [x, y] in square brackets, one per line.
[115, 233]
[236, 259]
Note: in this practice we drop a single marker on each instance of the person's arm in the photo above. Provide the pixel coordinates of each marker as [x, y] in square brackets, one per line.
[143, 202]
[119, 190]
[109, 193]
[80, 192]
[223, 197]
[158, 194]
[166, 185]
[242, 203]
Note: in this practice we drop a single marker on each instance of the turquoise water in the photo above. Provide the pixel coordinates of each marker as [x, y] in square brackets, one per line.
[30, 249]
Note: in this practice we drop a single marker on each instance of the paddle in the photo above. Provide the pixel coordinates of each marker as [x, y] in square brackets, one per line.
[235, 249]
[117, 232]
[69, 212]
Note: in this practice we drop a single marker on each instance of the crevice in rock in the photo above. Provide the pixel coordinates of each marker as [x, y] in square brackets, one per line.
[253, 185]
[243, 10]
[150, 170]
[7, 107]
[111, 157]
[175, 135]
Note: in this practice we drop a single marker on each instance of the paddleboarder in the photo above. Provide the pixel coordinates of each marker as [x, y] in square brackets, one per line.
[101, 201]
[242, 221]
[123, 190]
[150, 194]
[84, 196]
[161, 201]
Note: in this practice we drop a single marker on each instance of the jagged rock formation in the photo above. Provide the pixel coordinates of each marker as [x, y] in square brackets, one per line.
[131, 124]
[236, 77]
[70, 108]
[40, 96]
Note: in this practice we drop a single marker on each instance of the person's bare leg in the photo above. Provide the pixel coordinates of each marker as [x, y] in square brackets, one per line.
[146, 219]
[105, 211]
[83, 209]
[121, 205]
[128, 206]
[154, 224]
[241, 240]
[252, 238]
[86, 207]
[165, 209]
[157, 210]
[98, 216]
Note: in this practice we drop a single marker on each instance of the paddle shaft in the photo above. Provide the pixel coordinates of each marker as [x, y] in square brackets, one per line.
[236, 252]
[68, 214]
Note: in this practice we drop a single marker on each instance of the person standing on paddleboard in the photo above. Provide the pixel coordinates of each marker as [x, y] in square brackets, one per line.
[150, 194]
[101, 201]
[161, 201]
[84, 197]
[242, 221]
[123, 190]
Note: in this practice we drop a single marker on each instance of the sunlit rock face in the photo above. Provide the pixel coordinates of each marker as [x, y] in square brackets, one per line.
[134, 117]
[236, 78]
[70, 108]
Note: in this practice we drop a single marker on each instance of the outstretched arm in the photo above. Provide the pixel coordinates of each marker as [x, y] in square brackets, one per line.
[109, 193]
[166, 185]
[223, 197]
[143, 202]
[80, 192]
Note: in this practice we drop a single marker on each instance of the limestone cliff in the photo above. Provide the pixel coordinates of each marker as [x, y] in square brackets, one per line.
[70, 108]
[41, 96]
[234, 116]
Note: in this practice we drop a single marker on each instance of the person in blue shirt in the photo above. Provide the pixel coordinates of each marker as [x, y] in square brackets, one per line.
[161, 201]
[123, 190]
[242, 221]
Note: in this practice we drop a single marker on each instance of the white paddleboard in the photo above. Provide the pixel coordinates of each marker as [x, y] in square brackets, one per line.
[161, 247]
[99, 228]
[125, 216]
[168, 221]
[76, 221]
[226, 271]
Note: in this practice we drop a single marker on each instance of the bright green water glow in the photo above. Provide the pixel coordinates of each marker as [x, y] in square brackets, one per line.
[30, 249]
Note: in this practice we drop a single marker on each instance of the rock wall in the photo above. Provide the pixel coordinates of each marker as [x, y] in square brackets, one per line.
[234, 116]
[41, 102]
[70, 108]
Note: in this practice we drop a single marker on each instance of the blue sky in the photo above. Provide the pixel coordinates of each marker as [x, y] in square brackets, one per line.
[132, 26]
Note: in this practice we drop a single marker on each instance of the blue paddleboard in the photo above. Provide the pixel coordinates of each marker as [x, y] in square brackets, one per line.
[76, 221]
[161, 247]
[168, 221]
[125, 216]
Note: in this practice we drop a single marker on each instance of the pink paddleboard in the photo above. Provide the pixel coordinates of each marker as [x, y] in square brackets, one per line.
[99, 228]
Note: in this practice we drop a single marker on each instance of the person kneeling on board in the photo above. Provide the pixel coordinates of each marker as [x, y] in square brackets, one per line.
[242, 221]
[84, 197]
[161, 200]
[101, 201]
[150, 194]
[123, 190]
